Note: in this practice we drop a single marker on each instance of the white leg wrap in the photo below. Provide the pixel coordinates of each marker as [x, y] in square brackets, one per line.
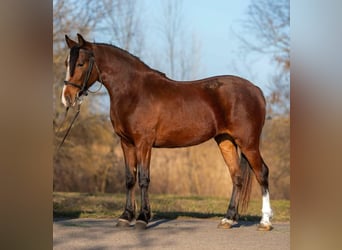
[266, 209]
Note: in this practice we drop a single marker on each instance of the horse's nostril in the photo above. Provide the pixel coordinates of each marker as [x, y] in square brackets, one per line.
[66, 100]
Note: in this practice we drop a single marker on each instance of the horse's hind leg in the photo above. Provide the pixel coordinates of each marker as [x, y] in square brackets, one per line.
[260, 170]
[131, 177]
[231, 158]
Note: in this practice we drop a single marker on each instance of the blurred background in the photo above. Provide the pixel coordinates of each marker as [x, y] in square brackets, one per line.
[187, 40]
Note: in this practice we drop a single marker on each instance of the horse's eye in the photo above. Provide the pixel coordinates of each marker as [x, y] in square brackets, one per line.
[80, 64]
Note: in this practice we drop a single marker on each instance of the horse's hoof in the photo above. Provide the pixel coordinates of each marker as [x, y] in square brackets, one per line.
[140, 225]
[225, 224]
[264, 227]
[123, 223]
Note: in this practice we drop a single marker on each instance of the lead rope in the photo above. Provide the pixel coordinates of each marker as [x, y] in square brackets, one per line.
[71, 124]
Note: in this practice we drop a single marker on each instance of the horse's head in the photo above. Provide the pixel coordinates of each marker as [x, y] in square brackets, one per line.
[82, 70]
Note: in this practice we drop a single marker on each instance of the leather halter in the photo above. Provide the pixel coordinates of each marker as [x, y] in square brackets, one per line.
[84, 87]
[83, 91]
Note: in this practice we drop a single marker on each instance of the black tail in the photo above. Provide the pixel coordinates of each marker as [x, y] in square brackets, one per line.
[246, 184]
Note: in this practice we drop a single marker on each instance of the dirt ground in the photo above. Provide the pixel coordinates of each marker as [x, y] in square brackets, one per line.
[167, 234]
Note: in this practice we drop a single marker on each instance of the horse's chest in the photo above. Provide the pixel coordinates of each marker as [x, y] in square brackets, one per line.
[119, 124]
[129, 124]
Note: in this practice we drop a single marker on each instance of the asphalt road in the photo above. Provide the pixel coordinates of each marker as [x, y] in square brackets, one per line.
[167, 234]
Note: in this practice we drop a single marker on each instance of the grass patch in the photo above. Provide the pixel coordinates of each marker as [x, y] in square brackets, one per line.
[83, 205]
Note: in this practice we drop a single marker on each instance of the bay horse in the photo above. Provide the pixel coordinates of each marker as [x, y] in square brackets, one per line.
[147, 109]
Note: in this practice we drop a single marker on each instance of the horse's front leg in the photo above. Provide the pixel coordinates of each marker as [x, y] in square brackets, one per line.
[131, 177]
[144, 157]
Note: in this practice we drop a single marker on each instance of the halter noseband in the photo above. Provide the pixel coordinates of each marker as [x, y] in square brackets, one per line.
[84, 88]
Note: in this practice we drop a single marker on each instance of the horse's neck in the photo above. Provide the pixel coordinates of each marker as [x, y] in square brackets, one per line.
[122, 73]
[115, 72]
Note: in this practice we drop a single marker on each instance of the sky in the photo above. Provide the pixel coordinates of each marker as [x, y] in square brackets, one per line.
[214, 24]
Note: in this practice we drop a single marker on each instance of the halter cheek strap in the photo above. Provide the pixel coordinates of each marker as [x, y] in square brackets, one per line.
[84, 88]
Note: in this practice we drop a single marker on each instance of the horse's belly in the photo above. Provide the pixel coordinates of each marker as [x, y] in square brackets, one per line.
[187, 120]
[183, 134]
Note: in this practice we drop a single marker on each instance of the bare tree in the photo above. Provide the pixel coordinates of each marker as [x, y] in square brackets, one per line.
[266, 30]
[71, 17]
[171, 28]
[190, 58]
[121, 20]
[269, 22]
[279, 97]
[181, 46]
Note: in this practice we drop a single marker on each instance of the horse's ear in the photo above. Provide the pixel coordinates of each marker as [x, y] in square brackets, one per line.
[70, 42]
[81, 40]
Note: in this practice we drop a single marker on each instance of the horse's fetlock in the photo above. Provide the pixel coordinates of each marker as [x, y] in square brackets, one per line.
[144, 216]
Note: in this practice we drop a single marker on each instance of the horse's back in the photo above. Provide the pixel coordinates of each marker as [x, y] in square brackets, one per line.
[235, 100]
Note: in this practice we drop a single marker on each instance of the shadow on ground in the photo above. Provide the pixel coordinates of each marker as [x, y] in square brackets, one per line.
[241, 223]
[177, 214]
